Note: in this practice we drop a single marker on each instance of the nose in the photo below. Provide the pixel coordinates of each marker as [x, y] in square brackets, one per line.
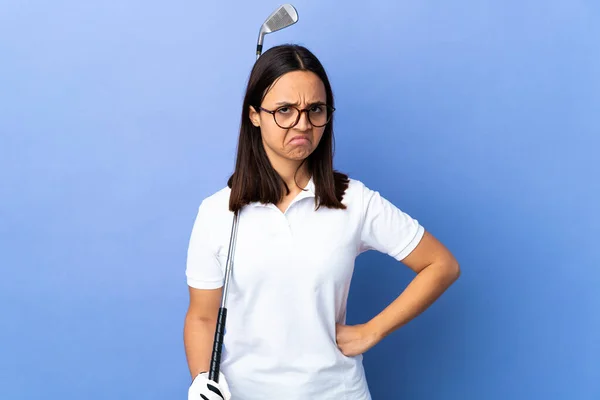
[303, 123]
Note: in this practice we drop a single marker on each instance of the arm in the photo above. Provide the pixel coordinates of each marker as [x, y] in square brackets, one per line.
[436, 270]
[199, 328]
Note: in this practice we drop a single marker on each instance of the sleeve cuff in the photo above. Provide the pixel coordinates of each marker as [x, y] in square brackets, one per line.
[411, 245]
[199, 284]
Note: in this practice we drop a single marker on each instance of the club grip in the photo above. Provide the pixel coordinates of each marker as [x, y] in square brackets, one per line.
[215, 360]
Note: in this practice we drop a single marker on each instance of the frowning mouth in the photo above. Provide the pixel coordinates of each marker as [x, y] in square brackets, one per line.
[300, 140]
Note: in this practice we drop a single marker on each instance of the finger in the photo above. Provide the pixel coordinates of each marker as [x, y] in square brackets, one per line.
[209, 395]
[207, 390]
[344, 351]
[213, 388]
[338, 332]
[343, 333]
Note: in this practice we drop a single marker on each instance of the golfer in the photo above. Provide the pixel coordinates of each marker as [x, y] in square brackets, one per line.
[301, 226]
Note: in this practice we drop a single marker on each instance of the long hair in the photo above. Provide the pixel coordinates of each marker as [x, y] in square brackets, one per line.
[254, 179]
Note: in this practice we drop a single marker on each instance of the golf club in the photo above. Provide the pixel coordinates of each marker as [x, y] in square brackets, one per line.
[215, 360]
[283, 17]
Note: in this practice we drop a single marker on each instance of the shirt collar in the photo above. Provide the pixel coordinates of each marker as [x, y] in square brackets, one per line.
[309, 191]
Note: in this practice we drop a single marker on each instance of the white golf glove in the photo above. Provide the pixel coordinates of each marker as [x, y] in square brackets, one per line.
[204, 389]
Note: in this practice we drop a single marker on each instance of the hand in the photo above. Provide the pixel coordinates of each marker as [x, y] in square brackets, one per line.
[353, 340]
[204, 389]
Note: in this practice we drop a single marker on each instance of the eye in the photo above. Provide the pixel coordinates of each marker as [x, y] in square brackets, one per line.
[316, 108]
[283, 110]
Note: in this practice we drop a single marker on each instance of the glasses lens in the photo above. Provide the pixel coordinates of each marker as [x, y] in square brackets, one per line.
[286, 116]
[319, 115]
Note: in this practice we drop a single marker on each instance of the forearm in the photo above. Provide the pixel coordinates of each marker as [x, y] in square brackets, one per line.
[198, 341]
[422, 291]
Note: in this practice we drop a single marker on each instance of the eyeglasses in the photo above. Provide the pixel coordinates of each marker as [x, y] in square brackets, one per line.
[287, 116]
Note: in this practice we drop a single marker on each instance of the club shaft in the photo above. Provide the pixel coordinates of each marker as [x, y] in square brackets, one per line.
[258, 51]
[230, 257]
[215, 360]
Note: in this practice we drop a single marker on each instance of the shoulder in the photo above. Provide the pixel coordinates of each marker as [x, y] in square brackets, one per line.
[356, 195]
[361, 197]
[218, 199]
[355, 186]
[356, 191]
[216, 205]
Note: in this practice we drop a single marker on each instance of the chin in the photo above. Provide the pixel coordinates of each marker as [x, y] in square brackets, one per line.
[299, 154]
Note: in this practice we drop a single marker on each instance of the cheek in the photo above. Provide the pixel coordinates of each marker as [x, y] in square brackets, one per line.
[272, 135]
[318, 134]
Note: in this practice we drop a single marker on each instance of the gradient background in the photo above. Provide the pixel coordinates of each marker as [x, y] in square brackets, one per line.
[479, 118]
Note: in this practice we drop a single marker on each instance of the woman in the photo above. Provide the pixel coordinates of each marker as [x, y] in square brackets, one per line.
[301, 227]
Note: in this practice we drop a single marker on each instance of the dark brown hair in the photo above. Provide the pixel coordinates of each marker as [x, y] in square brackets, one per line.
[254, 179]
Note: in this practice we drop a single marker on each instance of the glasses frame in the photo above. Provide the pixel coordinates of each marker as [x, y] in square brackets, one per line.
[330, 111]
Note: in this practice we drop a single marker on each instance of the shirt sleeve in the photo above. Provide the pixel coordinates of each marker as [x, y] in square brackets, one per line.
[203, 269]
[386, 228]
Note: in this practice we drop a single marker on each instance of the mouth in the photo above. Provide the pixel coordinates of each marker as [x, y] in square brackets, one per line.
[299, 140]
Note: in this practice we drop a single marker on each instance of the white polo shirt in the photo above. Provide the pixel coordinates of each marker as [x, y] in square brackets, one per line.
[289, 286]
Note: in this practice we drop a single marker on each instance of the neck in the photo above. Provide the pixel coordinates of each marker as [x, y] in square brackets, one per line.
[287, 170]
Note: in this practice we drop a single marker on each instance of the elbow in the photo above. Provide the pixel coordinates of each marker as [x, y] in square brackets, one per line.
[447, 270]
[201, 320]
[195, 318]
[452, 270]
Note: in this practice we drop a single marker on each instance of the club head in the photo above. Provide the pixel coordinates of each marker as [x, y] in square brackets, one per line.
[283, 17]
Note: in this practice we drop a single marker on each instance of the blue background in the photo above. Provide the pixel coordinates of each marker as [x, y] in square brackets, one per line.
[479, 118]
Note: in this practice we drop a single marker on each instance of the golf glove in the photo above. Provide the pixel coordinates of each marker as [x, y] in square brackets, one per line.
[204, 389]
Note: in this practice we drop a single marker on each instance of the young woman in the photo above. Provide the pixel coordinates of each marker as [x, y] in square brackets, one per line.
[301, 226]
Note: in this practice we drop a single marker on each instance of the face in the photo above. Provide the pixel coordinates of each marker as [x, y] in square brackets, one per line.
[301, 89]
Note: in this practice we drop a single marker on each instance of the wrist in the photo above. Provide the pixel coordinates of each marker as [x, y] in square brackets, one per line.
[375, 330]
[194, 376]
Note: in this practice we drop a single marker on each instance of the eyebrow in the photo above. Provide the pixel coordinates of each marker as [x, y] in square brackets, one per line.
[287, 103]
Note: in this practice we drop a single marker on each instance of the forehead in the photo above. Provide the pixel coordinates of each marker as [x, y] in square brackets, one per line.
[297, 87]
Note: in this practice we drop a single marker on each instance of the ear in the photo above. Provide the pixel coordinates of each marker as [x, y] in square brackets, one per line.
[254, 117]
